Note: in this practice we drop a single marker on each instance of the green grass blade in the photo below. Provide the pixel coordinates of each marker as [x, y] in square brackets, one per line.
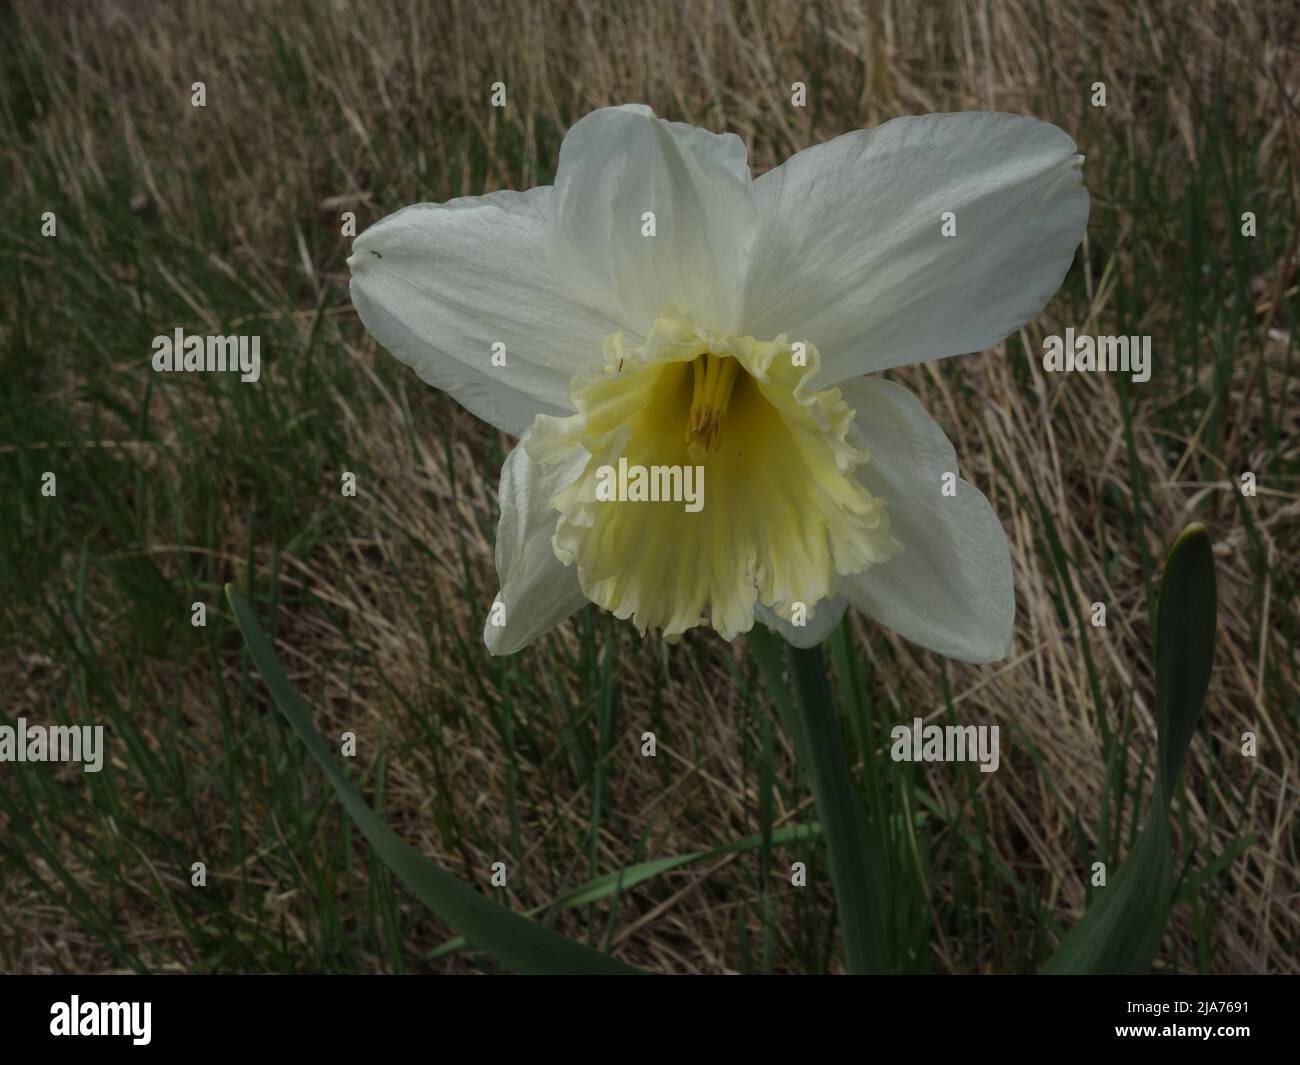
[1121, 930]
[622, 879]
[512, 939]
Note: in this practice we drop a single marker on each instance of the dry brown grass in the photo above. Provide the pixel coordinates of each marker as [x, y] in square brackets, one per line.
[373, 81]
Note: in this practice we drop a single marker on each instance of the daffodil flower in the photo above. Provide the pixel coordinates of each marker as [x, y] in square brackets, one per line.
[659, 305]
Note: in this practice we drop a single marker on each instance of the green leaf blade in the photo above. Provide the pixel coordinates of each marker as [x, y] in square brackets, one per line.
[518, 943]
[622, 879]
[1185, 633]
[1121, 930]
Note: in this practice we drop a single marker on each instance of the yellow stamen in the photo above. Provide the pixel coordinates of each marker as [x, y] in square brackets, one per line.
[715, 376]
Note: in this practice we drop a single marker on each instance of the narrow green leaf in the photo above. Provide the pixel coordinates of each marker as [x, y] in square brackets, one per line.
[623, 879]
[1195, 883]
[516, 942]
[1121, 930]
[1184, 649]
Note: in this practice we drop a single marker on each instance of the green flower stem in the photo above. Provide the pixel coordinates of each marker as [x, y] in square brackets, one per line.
[815, 732]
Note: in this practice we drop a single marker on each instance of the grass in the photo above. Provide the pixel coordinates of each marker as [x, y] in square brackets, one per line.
[227, 218]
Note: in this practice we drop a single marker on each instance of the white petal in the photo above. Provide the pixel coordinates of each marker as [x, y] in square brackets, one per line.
[852, 257]
[827, 616]
[615, 165]
[537, 591]
[439, 284]
[950, 588]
